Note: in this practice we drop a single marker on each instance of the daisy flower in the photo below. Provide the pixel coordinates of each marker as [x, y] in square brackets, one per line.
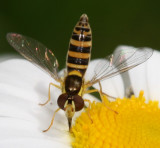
[23, 86]
[137, 122]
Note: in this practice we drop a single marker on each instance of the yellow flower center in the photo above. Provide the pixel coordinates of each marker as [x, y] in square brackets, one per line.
[136, 125]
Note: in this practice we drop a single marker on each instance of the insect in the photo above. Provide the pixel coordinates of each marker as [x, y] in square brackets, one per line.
[73, 84]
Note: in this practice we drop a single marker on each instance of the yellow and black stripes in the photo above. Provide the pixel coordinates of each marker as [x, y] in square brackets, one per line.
[80, 47]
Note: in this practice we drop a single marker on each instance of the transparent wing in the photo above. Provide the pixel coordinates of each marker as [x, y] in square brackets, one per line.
[119, 62]
[35, 52]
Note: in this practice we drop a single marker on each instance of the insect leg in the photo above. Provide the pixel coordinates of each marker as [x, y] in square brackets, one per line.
[96, 90]
[101, 95]
[86, 100]
[49, 94]
[52, 120]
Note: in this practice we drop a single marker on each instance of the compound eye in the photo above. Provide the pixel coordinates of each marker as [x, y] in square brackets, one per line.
[79, 102]
[62, 100]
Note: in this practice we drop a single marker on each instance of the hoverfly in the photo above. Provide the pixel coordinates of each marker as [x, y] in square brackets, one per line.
[73, 84]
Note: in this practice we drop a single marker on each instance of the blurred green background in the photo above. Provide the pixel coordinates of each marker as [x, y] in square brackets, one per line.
[127, 22]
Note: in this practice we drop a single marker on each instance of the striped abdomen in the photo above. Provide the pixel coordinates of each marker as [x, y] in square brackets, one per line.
[80, 46]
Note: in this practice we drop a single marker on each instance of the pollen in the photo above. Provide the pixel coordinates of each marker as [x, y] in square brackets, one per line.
[135, 125]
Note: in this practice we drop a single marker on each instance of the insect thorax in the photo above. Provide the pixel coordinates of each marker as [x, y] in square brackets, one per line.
[73, 84]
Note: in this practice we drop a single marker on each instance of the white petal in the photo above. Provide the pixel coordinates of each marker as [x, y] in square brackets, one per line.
[147, 77]
[21, 74]
[138, 76]
[22, 87]
[153, 76]
[5, 57]
[125, 76]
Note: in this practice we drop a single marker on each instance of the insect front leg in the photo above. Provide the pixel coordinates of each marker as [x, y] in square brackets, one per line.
[49, 93]
[99, 91]
[52, 120]
[86, 100]
[101, 95]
